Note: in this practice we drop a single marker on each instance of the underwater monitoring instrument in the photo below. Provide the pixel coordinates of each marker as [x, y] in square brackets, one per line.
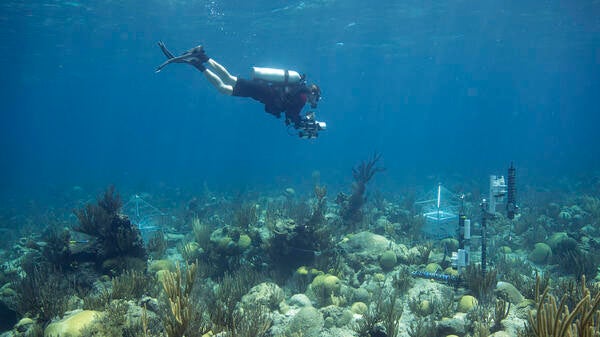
[450, 279]
[309, 127]
[440, 216]
[497, 192]
[148, 218]
[460, 258]
[511, 196]
[498, 189]
[439, 213]
[281, 76]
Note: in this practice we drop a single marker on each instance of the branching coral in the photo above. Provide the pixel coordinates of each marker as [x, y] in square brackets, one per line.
[304, 241]
[57, 250]
[366, 170]
[482, 286]
[576, 261]
[501, 311]
[421, 327]
[223, 300]
[518, 272]
[555, 319]
[591, 207]
[351, 211]
[424, 253]
[253, 322]
[403, 280]
[318, 214]
[115, 236]
[178, 288]
[43, 293]
[157, 245]
[131, 285]
[202, 233]
[245, 215]
[385, 312]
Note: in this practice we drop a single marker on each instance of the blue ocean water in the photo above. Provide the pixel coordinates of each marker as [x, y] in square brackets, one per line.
[440, 88]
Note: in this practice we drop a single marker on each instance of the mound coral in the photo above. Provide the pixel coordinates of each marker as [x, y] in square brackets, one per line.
[326, 289]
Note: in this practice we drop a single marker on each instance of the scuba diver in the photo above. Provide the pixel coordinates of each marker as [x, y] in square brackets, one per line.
[281, 91]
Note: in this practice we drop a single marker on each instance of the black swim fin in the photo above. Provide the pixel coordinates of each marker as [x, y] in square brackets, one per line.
[164, 49]
[194, 56]
[167, 53]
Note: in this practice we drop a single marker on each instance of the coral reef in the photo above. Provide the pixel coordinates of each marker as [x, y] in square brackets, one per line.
[57, 250]
[573, 259]
[554, 318]
[326, 289]
[157, 245]
[308, 322]
[422, 327]
[479, 284]
[502, 309]
[222, 301]
[294, 243]
[42, 293]
[117, 242]
[72, 324]
[291, 263]
[318, 214]
[178, 288]
[382, 318]
[244, 216]
[130, 285]
[351, 206]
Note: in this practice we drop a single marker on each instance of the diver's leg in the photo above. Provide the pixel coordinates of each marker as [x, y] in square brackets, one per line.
[222, 72]
[217, 82]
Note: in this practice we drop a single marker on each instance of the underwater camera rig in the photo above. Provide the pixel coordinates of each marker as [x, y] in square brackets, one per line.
[309, 127]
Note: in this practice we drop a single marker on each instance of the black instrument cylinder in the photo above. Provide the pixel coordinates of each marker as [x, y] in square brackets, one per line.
[511, 199]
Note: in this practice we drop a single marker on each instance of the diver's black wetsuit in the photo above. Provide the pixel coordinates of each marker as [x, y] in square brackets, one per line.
[275, 97]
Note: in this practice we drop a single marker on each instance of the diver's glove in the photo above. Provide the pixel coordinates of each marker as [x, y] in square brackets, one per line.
[195, 56]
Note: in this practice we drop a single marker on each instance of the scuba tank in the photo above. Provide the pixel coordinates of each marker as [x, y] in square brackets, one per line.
[278, 76]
